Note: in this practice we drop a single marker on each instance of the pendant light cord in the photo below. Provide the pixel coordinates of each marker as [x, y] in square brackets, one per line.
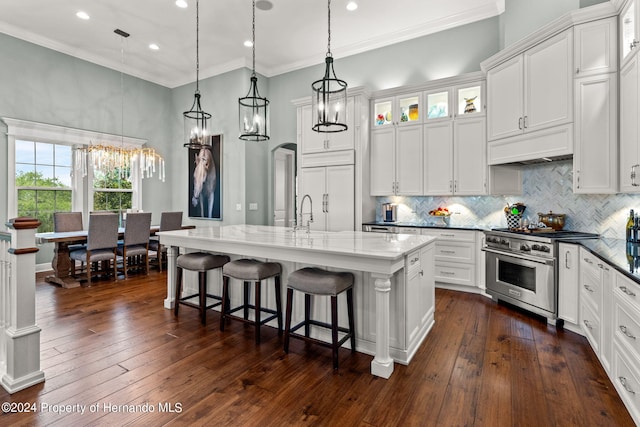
[329, 28]
[253, 39]
[197, 46]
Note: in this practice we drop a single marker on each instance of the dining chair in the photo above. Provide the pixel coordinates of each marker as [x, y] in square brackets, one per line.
[136, 240]
[69, 221]
[102, 241]
[168, 221]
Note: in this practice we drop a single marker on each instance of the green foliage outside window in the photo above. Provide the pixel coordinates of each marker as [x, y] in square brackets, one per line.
[41, 202]
[115, 201]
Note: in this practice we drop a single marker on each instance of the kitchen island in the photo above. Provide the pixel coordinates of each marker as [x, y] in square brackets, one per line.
[394, 282]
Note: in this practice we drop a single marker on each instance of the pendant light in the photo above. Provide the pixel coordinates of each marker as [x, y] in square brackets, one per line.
[253, 118]
[196, 121]
[329, 99]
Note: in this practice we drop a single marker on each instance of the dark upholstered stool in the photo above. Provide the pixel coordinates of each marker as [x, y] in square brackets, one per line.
[200, 262]
[315, 281]
[251, 270]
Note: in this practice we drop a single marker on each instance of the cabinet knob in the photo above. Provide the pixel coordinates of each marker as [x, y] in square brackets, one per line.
[577, 70]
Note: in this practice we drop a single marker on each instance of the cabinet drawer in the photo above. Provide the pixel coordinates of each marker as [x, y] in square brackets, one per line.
[626, 380]
[591, 289]
[590, 324]
[413, 262]
[626, 325]
[627, 290]
[457, 274]
[448, 234]
[590, 263]
[455, 252]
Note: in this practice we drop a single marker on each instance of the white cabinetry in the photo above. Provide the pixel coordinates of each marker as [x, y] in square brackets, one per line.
[595, 157]
[318, 142]
[331, 189]
[532, 91]
[595, 50]
[396, 160]
[629, 37]
[568, 278]
[455, 257]
[625, 370]
[629, 118]
[419, 276]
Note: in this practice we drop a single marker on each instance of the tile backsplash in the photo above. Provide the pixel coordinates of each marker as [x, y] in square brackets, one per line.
[546, 187]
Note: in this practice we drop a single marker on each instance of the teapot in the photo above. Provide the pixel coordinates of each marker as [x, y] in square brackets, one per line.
[555, 221]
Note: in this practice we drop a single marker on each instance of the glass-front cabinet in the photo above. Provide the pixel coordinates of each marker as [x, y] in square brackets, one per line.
[437, 103]
[628, 29]
[398, 110]
[470, 100]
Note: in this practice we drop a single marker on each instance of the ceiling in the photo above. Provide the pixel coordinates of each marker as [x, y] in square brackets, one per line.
[289, 36]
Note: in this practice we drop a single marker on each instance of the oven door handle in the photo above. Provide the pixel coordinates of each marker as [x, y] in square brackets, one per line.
[526, 258]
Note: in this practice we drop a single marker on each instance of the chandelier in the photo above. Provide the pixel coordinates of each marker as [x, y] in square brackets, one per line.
[120, 160]
[196, 121]
[329, 99]
[253, 119]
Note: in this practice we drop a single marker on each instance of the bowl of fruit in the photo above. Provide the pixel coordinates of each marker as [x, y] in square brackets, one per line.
[440, 216]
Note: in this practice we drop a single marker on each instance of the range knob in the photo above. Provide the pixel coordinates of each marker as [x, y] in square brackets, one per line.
[525, 247]
[535, 247]
[504, 242]
[545, 248]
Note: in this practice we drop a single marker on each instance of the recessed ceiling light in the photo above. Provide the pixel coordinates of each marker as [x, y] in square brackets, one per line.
[182, 3]
[154, 46]
[351, 6]
[82, 15]
[248, 43]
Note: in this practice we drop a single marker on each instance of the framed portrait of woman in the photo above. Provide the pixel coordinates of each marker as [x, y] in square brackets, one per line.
[205, 180]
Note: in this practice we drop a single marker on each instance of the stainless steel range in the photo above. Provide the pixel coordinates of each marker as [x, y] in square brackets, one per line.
[522, 268]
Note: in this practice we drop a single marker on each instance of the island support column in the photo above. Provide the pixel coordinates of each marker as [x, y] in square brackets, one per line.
[382, 364]
[172, 256]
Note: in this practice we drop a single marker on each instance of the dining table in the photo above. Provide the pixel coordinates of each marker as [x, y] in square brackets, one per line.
[61, 262]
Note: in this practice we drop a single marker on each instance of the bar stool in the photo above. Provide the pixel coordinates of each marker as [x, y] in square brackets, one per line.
[200, 262]
[251, 270]
[315, 281]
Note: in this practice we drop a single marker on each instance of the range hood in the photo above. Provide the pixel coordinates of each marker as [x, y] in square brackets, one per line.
[547, 145]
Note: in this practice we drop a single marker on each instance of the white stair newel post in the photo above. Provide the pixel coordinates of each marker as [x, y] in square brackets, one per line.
[22, 335]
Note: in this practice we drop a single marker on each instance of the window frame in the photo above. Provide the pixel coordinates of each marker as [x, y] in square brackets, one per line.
[81, 187]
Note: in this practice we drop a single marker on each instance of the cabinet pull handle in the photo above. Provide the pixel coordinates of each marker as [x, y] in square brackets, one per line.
[447, 235]
[447, 252]
[455, 186]
[587, 324]
[566, 260]
[588, 261]
[625, 331]
[421, 273]
[450, 186]
[325, 203]
[623, 381]
[525, 121]
[633, 175]
[520, 123]
[627, 291]
[577, 70]
[587, 287]
[448, 273]
[600, 265]
[413, 261]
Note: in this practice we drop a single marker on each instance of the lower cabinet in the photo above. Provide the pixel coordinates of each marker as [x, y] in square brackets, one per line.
[568, 278]
[455, 257]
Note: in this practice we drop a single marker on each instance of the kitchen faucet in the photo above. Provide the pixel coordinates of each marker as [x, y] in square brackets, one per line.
[302, 213]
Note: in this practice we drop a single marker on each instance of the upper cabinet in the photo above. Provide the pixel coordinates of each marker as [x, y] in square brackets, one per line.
[533, 90]
[629, 117]
[318, 142]
[399, 110]
[595, 47]
[629, 37]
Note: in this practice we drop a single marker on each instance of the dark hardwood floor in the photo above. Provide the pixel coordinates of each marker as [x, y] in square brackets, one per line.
[113, 346]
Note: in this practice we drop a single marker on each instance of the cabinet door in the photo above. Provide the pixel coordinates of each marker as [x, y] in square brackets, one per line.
[595, 157]
[548, 83]
[595, 50]
[409, 160]
[629, 126]
[628, 30]
[313, 184]
[504, 99]
[438, 158]
[339, 200]
[312, 142]
[606, 316]
[344, 140]
[383, 160]
[568, 290]
[470, 157]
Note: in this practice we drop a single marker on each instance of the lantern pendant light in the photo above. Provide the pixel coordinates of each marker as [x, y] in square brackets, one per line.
[253, 109]
[329, 98]
[196, 121]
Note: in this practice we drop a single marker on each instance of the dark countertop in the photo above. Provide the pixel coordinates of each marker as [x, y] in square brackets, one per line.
[623, 256]
[424, 225]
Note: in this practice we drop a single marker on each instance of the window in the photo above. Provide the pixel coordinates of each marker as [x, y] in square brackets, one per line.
[43, 180]
[47, 174]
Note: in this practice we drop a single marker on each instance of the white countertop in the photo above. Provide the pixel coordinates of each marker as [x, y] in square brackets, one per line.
[382, 245]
